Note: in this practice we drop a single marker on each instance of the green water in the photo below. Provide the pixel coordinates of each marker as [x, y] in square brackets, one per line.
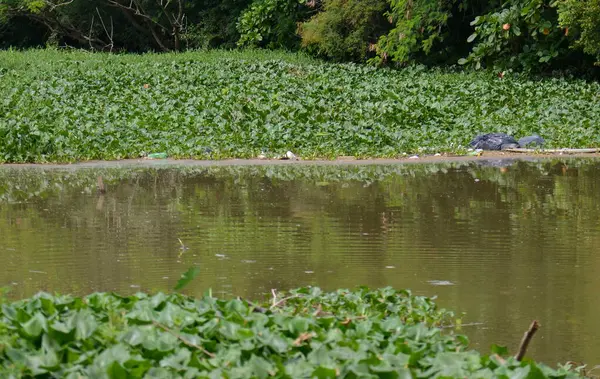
[505, 242]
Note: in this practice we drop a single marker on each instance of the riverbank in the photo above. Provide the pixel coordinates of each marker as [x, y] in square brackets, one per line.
[79, 106]
[344, 160]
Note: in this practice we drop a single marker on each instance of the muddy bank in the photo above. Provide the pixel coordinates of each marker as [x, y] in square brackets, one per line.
[143, 162]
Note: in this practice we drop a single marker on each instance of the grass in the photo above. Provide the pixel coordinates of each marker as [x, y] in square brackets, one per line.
[58, 106]
[306, 333]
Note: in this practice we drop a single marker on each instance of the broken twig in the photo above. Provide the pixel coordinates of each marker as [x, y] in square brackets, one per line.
[274, 293]
[275, 304]
[526, 339]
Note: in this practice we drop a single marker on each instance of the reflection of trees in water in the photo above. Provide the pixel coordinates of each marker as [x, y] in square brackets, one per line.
[369, 198]
[440, 207]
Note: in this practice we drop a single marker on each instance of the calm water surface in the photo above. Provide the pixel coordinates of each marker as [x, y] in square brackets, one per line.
[505, 242]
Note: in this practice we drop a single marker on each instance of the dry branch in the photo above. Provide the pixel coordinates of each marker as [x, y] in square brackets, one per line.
[526, 339]
[111, 43]
[276, 304]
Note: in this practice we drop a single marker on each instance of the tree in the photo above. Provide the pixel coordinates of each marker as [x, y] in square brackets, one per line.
[133, 25]
[581, 20]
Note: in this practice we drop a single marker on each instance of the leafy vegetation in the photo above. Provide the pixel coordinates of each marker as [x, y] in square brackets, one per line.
[536, 36]
[271, 23]
[117, 25]
[520, 35]
[580, 18]
[232, 104]
[418, 26]
[306, 333]
[327, 33]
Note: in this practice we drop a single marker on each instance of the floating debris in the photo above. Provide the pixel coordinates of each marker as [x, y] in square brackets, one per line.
[440, 283]
[37, 272]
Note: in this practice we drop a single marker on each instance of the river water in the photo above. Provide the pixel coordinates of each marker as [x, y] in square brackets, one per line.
[506, 242]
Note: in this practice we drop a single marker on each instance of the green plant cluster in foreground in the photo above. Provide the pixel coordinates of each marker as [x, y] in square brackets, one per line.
[304, 334]
[77, 106]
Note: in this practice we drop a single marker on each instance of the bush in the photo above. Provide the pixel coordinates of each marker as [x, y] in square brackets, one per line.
[418, 25]
[581, 19]
[523, 34]
[345, 29]
[271, 23]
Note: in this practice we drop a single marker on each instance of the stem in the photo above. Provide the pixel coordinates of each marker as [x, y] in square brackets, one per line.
[526, 339]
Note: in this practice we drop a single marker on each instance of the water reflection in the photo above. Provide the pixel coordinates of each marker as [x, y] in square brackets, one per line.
[505, 242]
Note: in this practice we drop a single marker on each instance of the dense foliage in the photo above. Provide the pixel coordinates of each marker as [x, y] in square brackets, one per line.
[530, 35]
[231, 104]
[109, 25]
[345, 30]
[306, 333]
[418, 26]
[521, 35]
[582, 18]
[271, 23]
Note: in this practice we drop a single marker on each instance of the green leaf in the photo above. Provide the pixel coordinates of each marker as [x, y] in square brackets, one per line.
[261, 368]
[85, 324]
[116, 354]
[36, 325]
[500, 350]
[472, 37]
[135, 336]
[160, 373]
[177, 361]
[324, 373]
[187, 277]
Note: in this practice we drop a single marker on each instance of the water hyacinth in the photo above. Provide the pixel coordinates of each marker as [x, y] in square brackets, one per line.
[305, 333]
[59, 106]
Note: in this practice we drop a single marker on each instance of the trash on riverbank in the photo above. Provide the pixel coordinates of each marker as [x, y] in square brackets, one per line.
[157, 156]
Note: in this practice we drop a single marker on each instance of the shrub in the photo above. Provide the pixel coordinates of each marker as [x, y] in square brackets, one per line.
[271, 23]
[345, 29]
[581, 19]
[522, 34]
[418, 25]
